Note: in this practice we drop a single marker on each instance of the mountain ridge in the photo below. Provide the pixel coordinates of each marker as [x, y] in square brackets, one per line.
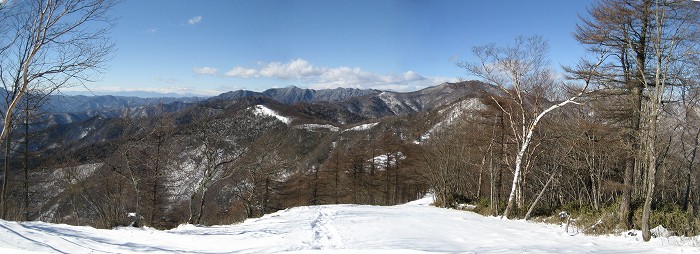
[293, 94]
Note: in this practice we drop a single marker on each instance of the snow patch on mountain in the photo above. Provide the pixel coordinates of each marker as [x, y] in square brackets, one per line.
[316, 127]
[261, 110]
[390, 100]
[383, 161]
[465, 106]
[362, 127]
[452, 114]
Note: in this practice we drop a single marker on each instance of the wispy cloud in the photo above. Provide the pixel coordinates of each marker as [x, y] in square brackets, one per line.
[205, 70]
[152, 30]
[194, 20]
[325, 77]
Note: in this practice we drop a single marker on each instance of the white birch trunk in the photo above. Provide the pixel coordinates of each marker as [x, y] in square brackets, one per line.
[523, 148]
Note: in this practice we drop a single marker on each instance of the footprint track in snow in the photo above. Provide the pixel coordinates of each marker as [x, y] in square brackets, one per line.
[325, 234]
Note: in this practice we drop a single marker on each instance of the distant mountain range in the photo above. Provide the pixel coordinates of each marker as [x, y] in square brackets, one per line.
[140, 94]
[352, 98]
[70, 118]
[82, 103]
[293, 94]
[342, 105]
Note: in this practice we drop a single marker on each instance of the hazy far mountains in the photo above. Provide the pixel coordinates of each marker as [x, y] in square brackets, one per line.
[113, 105]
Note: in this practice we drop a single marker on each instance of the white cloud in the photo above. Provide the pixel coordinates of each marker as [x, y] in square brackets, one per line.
[205, 70]
[324, 77]
[152, 30]
[194, 20]
[242, 72]
[296, 69]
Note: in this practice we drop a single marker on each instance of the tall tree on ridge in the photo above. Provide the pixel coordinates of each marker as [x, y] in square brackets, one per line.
[49, 44]
[648, 45]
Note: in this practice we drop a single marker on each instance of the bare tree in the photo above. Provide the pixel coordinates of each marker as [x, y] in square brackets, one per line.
[673, 38]
[648, 45]
[218, 148]
[49, 44]
[619, 29]
[128, 162]
[157, 153]
[521, 73]
[445, 162]
[262, 171]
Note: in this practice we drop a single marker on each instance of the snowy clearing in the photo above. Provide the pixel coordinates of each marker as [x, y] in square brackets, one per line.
[411, 228]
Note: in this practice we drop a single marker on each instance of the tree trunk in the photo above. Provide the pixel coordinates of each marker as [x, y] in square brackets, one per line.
[397, 197]
[646, 233]
[499, 166]
[481, 175]
[5, 181]
[493, 197]
[688, 177]
[201, 207]
[137, 219]
[156, 179]
[387, 179]
[337, 175]
[625, 209]
[190, 219]
[523, 148]
[537, 199]
[26, 165]
[632, 164]
[266, 196]
[516, 175]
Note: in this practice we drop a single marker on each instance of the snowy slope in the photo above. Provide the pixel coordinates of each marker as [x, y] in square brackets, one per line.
[409, 228]
[261, 110]
[452, 114]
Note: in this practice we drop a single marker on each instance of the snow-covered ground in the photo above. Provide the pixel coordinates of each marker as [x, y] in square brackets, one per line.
[411, 228]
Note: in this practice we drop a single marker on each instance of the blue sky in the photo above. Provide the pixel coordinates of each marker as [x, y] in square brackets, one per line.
[210, 47]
